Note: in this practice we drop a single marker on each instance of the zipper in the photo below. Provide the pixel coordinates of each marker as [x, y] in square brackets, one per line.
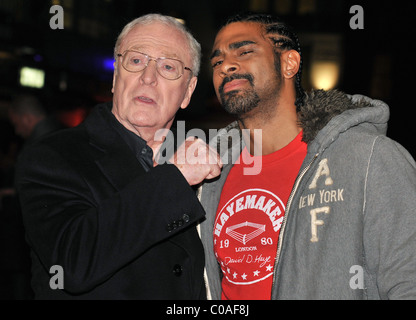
[198, 228]
[282, 229]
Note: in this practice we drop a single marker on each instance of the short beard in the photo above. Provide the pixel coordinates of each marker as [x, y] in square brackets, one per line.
[239, 102]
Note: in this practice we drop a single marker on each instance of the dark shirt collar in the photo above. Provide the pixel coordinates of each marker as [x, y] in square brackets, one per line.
[141, 150]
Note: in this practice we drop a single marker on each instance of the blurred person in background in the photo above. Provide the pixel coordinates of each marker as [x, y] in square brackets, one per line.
[14, 251]
[30, 118]
[31, 121]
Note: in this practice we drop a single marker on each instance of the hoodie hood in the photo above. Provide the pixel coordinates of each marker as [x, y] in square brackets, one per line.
[326, 114]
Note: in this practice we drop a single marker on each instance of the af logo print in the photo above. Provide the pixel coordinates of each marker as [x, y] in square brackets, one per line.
[324, 197]
[245, 235]
[323, 170]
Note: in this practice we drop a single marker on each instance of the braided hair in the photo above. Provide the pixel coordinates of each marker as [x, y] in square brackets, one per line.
[284, 39]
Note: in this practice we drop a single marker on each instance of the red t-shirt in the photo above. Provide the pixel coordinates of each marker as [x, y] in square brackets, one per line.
[248, 221]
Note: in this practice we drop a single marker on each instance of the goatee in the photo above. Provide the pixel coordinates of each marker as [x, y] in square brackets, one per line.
[239, 102]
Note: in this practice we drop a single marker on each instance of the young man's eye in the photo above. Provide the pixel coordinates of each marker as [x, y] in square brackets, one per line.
[245, 52]
[216, 63]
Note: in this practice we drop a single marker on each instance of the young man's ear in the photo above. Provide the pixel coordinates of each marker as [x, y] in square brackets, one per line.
[290, 63]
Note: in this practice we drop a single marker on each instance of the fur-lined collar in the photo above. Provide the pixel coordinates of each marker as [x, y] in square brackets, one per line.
[321, 106]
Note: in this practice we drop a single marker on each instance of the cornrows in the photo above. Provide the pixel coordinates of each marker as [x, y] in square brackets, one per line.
[283, 38]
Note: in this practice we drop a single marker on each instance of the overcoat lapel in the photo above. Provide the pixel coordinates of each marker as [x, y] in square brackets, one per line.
[112, 154]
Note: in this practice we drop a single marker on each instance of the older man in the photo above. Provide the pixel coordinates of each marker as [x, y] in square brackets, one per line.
[102, 219]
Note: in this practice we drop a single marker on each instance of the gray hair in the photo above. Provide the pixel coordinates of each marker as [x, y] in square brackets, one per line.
[194, 46]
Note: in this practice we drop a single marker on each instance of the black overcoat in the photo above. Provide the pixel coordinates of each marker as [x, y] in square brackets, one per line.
[117, 231]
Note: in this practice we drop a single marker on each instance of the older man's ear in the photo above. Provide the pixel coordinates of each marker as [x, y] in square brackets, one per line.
[189, 92]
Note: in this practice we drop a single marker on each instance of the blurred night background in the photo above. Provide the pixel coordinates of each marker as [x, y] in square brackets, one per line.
[71, 69]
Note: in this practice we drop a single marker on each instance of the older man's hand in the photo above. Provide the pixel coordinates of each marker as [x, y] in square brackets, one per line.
[197, 161]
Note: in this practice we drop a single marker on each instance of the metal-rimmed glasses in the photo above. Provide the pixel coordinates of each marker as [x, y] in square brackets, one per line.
[168, 68]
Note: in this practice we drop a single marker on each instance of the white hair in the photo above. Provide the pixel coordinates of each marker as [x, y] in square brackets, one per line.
[194, 46]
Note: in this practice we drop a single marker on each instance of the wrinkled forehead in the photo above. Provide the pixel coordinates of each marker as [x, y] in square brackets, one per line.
[157, 39]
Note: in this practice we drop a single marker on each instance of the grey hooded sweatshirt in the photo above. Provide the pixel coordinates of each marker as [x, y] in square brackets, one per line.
[349, 230]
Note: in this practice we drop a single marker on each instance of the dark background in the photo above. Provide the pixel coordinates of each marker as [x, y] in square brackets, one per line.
[376, 61]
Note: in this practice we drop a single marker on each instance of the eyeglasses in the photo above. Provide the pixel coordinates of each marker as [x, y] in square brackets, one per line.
[168, 68]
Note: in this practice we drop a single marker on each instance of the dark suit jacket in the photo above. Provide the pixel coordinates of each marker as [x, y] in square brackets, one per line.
[117, 231]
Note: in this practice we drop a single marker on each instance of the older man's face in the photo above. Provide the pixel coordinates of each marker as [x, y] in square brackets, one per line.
[145, 101]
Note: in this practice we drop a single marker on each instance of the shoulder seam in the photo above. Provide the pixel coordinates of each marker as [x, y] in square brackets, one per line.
[367, 173]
